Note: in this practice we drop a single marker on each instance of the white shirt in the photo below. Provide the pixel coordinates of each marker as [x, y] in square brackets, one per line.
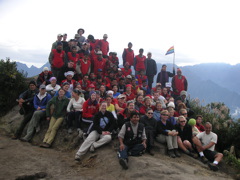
[76, 105]
[207, 138]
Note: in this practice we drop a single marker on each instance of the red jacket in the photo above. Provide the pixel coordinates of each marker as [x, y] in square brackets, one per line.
[129, 56]
[58, 59]
[94, 44]
[99, 64]
[73, 82]
[179, 85]
[89, 109]
[140, 78]
[130, 96]
[71, 58]
[84, 85]
[126, 72]
[85, 66]
[104, 46]
[140, 63]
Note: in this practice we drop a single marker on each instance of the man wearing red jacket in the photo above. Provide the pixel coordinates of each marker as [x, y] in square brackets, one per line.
[99, 63]
[128, 55]
[84, 66]
[179, 83]
[90, 108]
[57, 60]
[140, 62]
[104, 45]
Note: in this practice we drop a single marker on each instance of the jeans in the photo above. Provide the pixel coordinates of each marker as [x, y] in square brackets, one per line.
[134, 150]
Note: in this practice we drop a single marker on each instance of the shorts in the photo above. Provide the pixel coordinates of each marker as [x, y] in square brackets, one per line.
[210, 155]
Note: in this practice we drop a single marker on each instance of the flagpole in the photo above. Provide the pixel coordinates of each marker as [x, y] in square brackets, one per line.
[173, 59]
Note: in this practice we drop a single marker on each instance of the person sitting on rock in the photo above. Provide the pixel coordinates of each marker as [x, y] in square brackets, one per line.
[53, 87]
[205, 143]
[132, 139]
[184, 137]
[74, 109]
[103, 125]
[150, 124]
[25, 103]
[90, 108]
[167, 134]
[60, 103]
[199, 125]
[65, 87]
[40, 102]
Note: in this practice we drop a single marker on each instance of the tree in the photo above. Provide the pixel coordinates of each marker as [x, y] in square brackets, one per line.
[12, 84]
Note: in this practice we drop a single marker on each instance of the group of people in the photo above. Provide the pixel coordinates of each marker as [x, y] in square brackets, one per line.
[86, 88]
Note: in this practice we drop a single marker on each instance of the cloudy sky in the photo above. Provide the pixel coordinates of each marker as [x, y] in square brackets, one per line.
[200, 30]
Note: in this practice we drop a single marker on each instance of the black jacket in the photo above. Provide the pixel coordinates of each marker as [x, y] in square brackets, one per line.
[149, 124]
[186, 133]
[110, 125]
[151, 69]
[162, 129]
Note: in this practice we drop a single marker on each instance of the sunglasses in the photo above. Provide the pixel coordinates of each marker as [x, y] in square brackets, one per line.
[182, 121]
[184, 114]
[164, 114]
[150, 113]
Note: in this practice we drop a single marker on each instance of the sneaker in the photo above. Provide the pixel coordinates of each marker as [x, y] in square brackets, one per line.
[45, 145]
[92, 149]
[77, 157]
[123, 163]
[213, 167]
[177, 153]
[171, 153]
[203, 159]
[70, 131]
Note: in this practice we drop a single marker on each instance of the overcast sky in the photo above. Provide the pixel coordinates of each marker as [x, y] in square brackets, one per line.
[201, 31]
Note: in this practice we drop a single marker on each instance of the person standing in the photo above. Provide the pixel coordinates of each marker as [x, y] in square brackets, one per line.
[140, 62]
[59, 39]
[104, 45]
[57, 60]
[163, 75]
[128, 55]
[179, 83]
[151, 69]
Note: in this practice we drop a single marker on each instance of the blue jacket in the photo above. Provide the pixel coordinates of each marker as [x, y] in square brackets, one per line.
[43, 103]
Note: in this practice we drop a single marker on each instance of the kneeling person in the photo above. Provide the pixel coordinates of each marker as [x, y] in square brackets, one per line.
[103, 125]
[132, 139]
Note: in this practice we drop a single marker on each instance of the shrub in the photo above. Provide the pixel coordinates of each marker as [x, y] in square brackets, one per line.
[12, 84]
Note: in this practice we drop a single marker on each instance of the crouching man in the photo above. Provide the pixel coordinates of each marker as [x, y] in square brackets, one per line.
[132, 139]
[205, 143]
[103, 125]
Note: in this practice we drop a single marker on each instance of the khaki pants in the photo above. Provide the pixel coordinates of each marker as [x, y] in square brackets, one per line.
[52, 129]
[170, 140]
[92, 140]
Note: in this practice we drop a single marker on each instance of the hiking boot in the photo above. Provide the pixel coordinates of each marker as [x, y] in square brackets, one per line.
[213, 167]
[78, 157]
[203, 159]
[23, 140]
[194, 155]
[92, 149]
[123, 163]
[171, 153]
[177, 153]
[45, 145]
[70, 131]
[150, 152]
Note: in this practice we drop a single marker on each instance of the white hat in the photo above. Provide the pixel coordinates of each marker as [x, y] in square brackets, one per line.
[99, 52]
[121, 96]
[168, 84]
[105, 35]
[68, 73]
[119, 69]
[171, 104]
[45, 69]
[129, 76]
[110, 92]
[59, 35]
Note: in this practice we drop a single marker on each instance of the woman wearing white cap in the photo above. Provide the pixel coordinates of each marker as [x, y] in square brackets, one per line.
[53, 87]
[69, 78]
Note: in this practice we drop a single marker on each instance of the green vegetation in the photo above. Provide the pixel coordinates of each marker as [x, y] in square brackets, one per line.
[12, 84]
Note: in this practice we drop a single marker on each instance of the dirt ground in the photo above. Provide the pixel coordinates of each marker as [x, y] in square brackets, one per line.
[27, 161]
[24, 161]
